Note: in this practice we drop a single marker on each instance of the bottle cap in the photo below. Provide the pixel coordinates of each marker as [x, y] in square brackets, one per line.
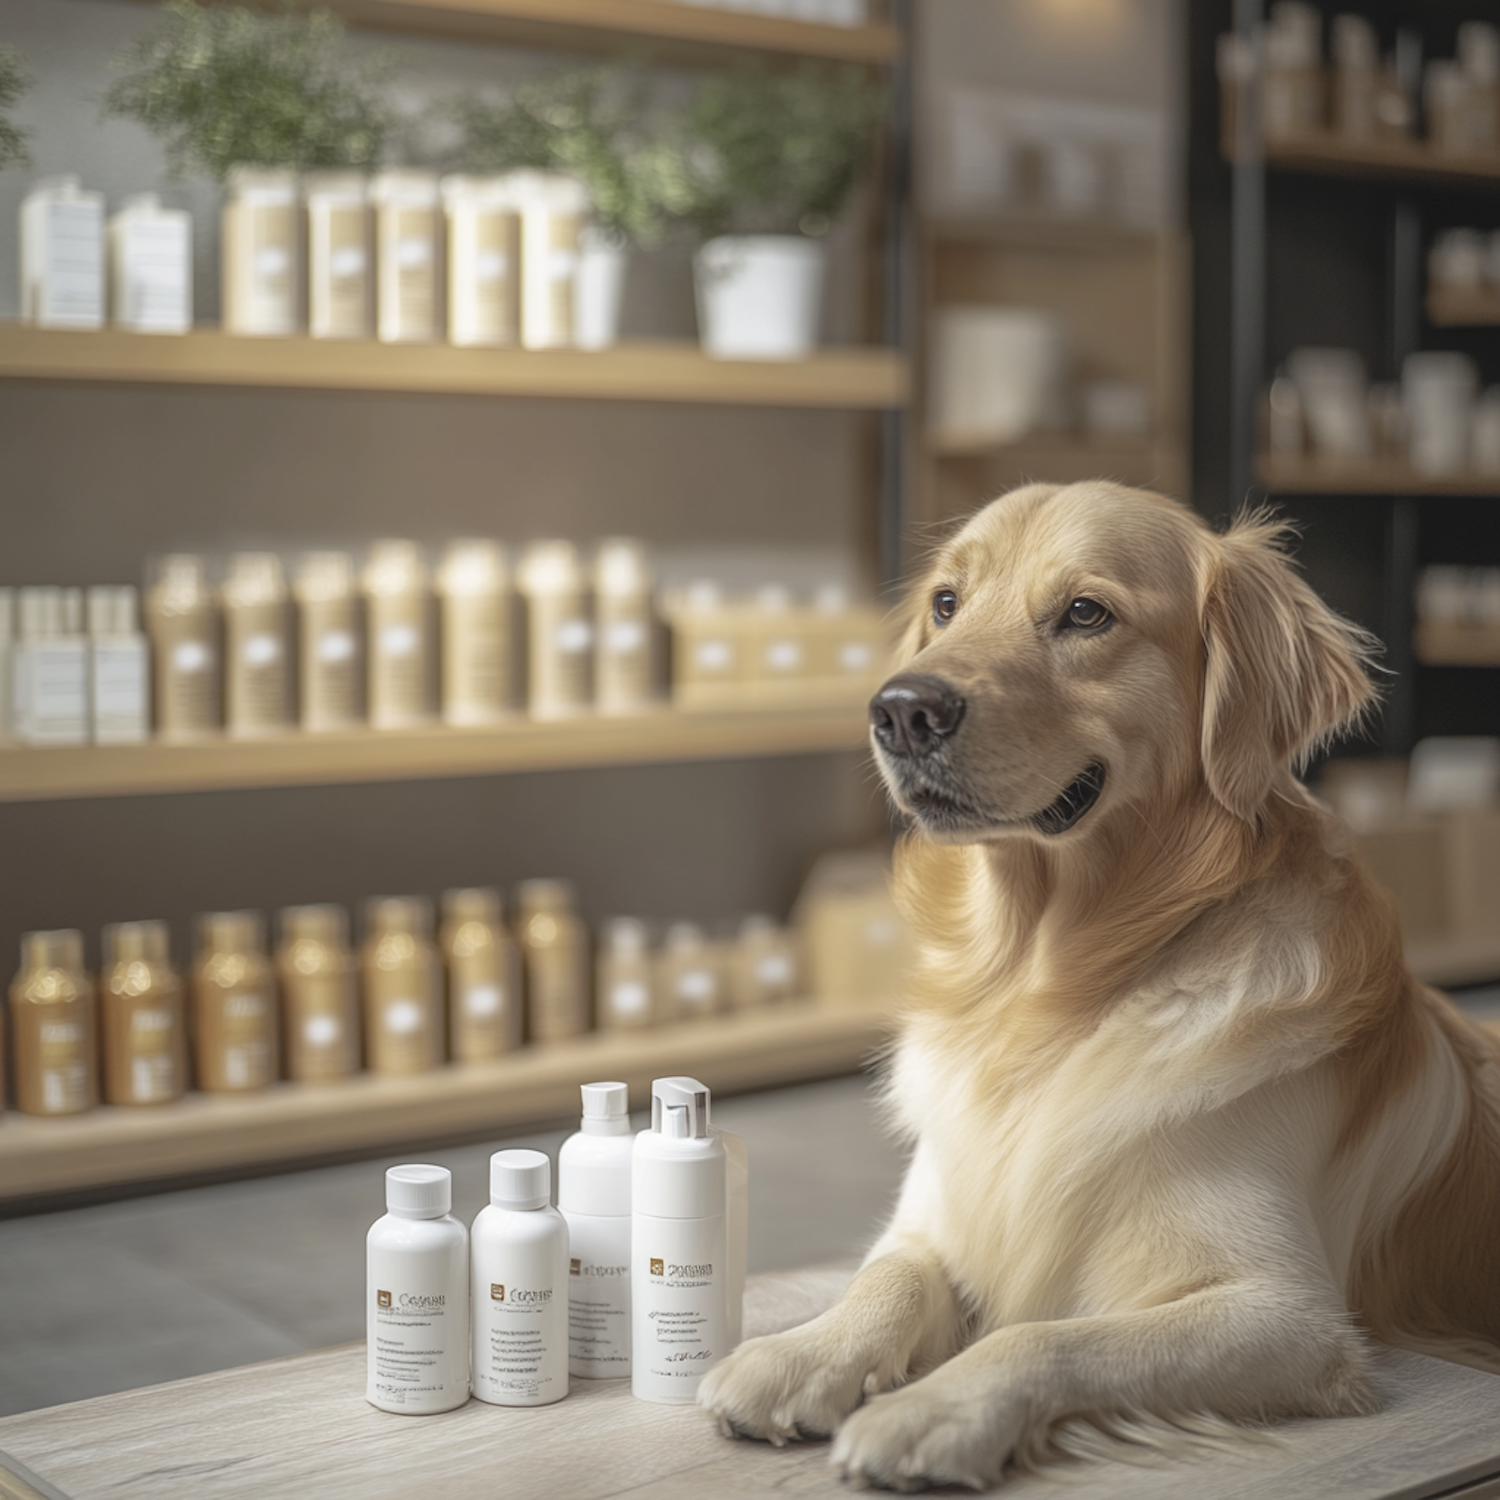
[679, 1108]
[136, 942]
[472, 567]
[411, 914]
[546, 895]
[606, 1101]
[231, 931]
[320, 924]
[520, 1179]
[324, 576]
[254, 578]
[626, 936]
[474, 904]
[61, 948]
[682, 936]
[419, 1192]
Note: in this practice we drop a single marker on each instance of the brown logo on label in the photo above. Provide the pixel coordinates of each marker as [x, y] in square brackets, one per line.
[383, 1299]
[658, 1268]
[575, 1267]
[497, 1291]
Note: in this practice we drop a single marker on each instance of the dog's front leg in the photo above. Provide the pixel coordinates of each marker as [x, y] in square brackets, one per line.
[1245, 1351]
[899, 1311]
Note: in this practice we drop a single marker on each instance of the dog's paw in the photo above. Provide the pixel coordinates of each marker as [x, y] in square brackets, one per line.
[926, 1435]
[790, 1385]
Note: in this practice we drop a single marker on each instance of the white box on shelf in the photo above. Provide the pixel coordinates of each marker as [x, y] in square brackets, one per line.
[62, 255]
[151, 267]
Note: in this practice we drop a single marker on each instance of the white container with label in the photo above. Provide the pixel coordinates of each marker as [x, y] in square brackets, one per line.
[552, 217]
[119, 668]
[50, 683]
[340, 283]
[679, 1246]
[417, 1297]
[519, 1286]
[407, 223]
[62, 255]
[484, 259]
[593, 1195]
[261, 253]
[151, 266]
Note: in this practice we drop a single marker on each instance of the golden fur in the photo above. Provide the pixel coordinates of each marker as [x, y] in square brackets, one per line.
[1186, 1130]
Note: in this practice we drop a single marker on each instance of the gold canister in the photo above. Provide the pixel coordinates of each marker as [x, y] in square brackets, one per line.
[399, 971]
[53, 1026]
[320, 1008]
[483, 966]
[554, 950]
[234, 1004]
[625, 982]
[142, 1016]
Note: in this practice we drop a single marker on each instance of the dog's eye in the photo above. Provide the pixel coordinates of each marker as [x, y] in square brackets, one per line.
[944, 606]
[1087, 614]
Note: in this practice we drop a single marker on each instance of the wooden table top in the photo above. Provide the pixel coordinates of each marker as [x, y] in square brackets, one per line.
[301, 1427]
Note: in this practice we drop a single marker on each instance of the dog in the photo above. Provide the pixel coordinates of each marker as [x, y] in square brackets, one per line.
[1186, 1132]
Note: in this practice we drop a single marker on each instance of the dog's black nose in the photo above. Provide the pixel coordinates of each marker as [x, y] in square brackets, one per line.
[914, 713]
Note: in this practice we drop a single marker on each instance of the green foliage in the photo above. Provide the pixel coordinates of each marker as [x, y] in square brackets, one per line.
[598, 125]
[225, 87]
[14, 81]
[778, 152]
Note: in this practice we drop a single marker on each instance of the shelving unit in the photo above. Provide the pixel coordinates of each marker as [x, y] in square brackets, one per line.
[46, 774]
[1450, 308]
[1321, 475]
[848, 378]
[1410, 161]
[205, 1133]
[1440, 644]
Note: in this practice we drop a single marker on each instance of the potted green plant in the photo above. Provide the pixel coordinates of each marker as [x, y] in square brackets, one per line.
[598, 126]
[771, 160]
[13, 83]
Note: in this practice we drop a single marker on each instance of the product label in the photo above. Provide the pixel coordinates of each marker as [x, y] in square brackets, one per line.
[188, 686]
[246, 1041]
[599, 1297]
[783, 656]
[258, 688]
[342, 298]
[156, 258]
[513, 1357]
[855, 656]
[62, 1063]
[696, 989]
[404, 1042]
[59, 693]
[412, 312]
[482, 1001]
[713, 657]
[629, 999]
[680, 1315]
[271, 232]
[71, 288]
[555, 992]
[321, 1029]
[120, 690]
[417, 1338]
[398, 690]
[493, 292]
[477, 654]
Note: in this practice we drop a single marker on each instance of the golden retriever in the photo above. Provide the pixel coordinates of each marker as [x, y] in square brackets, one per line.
[1186, 1129]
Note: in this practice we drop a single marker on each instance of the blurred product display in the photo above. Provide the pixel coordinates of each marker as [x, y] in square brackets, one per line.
[62, 255]
[151, 267]
[824, 12]
[260, 279]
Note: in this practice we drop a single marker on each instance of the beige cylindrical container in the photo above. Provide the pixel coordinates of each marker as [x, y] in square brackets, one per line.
[143, 1023]
[182, 619]
[402, 987]
[398, 635]
[407, 225]
[625, 983]
[234, 1005]
[257, 647]
[484, 976]
[261, 252]
[320, 1007]
[763, 967]
[484, 259]
[474, 598]
[689, 976]
[625, 627]
[328, 651]
[52, 1024]
[340, 286]
[559, 632]
[552, 218]
[554, 951]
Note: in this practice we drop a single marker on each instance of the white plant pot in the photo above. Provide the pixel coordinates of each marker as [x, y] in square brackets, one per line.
[760, 296]
[598, 291]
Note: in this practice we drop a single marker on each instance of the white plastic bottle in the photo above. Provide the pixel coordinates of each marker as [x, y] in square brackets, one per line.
[151, 260]
[679, 1246]
[519, 1269]
[62, 255]
[51, 664]
[593, 1195]
[417, 1297]
[119, 668]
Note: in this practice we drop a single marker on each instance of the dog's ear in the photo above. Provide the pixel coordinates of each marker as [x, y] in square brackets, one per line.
[1284, 673]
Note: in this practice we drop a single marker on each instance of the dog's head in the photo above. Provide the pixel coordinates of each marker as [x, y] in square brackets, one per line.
[1085, 648]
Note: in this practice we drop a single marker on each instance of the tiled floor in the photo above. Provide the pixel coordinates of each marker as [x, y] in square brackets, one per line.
[126, 1294]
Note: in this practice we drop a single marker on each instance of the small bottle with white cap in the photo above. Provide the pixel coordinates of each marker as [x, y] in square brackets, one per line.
[593, 1195]
[417, 1297]
[519, 1286]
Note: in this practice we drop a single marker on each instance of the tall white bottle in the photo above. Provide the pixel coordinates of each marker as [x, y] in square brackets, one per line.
[593, 1195]
[519, 1286]
[417, 1297]
[678, 1246]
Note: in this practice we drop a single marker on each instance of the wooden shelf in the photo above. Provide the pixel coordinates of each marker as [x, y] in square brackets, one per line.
[849, 378]
[1455, 961]
[1040, 232]
[1442, 644]
[673, 31]
[212, 1133]
[1312, 475]
[1450, 308]
[1390, 161]
[1060, 460]
[38, 774]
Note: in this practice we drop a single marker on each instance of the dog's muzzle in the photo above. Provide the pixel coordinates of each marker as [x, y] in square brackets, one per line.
[913, 714]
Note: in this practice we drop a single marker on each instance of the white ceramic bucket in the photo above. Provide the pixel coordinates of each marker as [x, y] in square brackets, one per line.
[760, 296]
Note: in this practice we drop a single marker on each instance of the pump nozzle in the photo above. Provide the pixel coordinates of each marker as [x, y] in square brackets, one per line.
[686, 1094]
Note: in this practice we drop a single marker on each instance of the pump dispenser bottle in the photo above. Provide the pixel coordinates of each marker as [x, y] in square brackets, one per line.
[484, 980]
[403, 1018]
[234, 1005]
[320, 1009]
[417, 1297]
[519, 1277]
[593, 1195]
[141, 1011]
[52, 1026]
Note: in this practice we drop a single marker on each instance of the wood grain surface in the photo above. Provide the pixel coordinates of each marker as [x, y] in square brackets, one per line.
[300, 1427]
